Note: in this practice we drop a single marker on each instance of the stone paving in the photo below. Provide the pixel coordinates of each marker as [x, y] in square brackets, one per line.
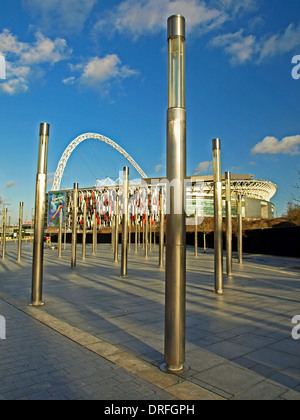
[100, 336]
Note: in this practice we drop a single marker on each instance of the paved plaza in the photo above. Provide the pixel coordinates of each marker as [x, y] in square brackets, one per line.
[100, 336]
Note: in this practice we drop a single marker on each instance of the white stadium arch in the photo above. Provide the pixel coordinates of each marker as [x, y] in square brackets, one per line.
[72, 146]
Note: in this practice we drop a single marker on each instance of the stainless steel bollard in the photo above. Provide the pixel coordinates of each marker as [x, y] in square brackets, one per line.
[125, 223]
[218, 212]
[228, 224]
[175, 298]
[74, 225]
[39, 217]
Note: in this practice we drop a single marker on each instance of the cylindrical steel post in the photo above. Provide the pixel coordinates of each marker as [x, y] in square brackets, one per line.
[20, 231]
[4, 233]
[84, 232]
[176, 229]
[116, 249]
[196, 232]
[228, 224]
[161, 229]
[39, 217]
[240, 230]
[125, 222]
[146, 234]
[218, 217]
[74, 225]
[136, 234]
[59, 239]
[94, 232]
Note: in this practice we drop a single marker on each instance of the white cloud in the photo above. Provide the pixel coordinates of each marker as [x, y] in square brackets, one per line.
[158, 168]
[65, 16]
[243, 48]
[137, 17]
[23, 59]
[98, 73]
[10, 184]
[203, 167]
[271, 145]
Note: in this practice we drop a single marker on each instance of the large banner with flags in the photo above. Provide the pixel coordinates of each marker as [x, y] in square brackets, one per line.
[56, 202]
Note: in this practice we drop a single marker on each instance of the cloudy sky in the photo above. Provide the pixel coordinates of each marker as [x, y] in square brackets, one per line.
[101, 66]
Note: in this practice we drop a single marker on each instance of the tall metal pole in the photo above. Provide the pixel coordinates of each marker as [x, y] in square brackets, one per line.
[136, 234]
[125, 222]
[218, 234]
[20, 231]
[84, 232]
[196, 231]
[59, 240]
[74, 225]
[240, 230]
[228, 224]
[94, 232]
[175, 310]
[39, 217]
[161, 229]
[116, 249]
[146, 233]
[4, 233]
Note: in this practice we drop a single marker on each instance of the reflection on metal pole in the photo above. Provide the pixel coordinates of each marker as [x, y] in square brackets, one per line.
[175, 310]
[4, 233]
[74, 225]
[84, 232]
[146, 233]
[116, 248]
[218, 216]
[39, 217]
[125, 222]
[228, 224]
[161, 229]
[240, 230]
[20, 231]
[59, 240]
[94, 232]
[196, 231]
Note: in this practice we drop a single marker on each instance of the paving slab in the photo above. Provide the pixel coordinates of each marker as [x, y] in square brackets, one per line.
[98, 330]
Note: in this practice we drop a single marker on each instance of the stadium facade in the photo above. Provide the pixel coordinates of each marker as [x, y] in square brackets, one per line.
[144, 197]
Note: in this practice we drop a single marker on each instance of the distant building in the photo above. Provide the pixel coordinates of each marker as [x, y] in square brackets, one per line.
[257, 195]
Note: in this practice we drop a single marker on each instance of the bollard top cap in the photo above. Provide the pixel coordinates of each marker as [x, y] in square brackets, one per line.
[176, 26]
[216, 143]
[44, 129]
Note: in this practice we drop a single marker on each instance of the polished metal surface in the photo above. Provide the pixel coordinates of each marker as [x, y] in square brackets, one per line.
[4, 233]
[20, 231]
[218, 218]
[176, 26]
[196, 232]
[161, 229]
[59, 239]
[228, 224]
[240, 230]
[94, 233]
[146, 237]
[125, 222]
[116, 247]
[74, 225]
[175, 297]
[84, 232]
[39, 217]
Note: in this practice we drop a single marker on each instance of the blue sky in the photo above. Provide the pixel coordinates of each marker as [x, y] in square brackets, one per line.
[101, 66]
